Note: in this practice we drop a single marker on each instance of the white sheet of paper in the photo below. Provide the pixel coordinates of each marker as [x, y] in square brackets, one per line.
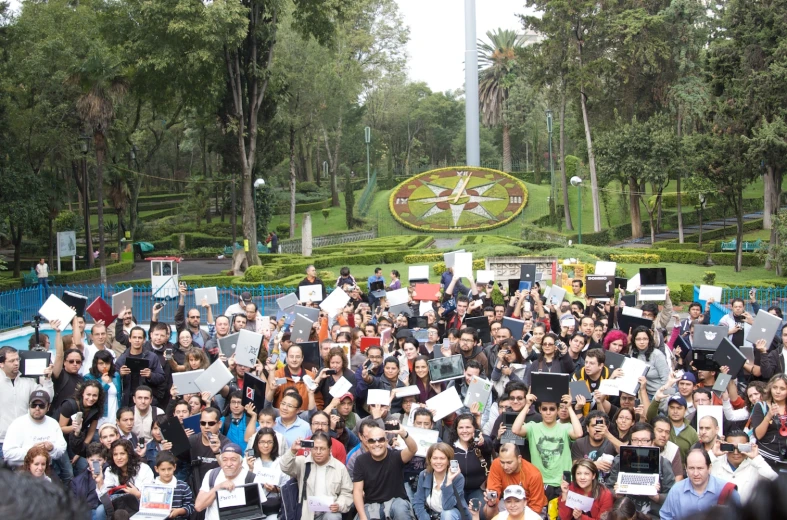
[379, 397]
[632, 369]
[424, 307]
[335, 301]
[445, 403]
[236, 497]
[531, 515]
[670, 449]
[609, 387]
[632, 311]
[715, 411]
[407, 390]
[418, 272]
[270, 476]
[341, 387]
[310, 293]
[398, 297]
[320, 503]
[484, 276]
[55, 309]
[606, 268]
[423, 439]
[463, 265]
[633, 284]
[577, 501]
[211, 293]
[35, 366]
[710, 291]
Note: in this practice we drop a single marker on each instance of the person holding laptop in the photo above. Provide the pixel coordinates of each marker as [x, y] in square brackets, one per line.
[152, 376]
[775, 362]
[642, 436]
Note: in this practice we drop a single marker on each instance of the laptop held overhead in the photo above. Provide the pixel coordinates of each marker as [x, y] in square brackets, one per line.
[100, 310]
[653, 284]
[446, 368]
[708, 337]
[765, 326]
[728, 355]
[527, 273]
[597, 286]
[214, 378]
[228, 344]
[549, 387]
[77, 301]
[123, 299]
[186, 382]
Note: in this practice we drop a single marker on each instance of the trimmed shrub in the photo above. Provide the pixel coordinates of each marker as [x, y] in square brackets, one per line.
[439, 268]
[254, 274]
[94, 274]
[709, 278]
[641, 258]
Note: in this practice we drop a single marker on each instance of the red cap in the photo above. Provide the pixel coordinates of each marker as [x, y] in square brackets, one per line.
[348, 394]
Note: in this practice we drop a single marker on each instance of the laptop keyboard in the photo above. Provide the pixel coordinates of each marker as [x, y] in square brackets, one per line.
[510, 437]
[655, 291]
[633, 479]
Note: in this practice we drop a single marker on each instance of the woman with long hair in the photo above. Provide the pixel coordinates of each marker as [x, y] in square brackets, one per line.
[38, 463]
[770, 427]
[103, 371]
[473, 451]
[626, 509]
[263, 462]
[88, 401]
[508, 355]
[126, 469]
[643, 347]
[336, 360]
[420, 377]
[584, 481]
[621, 424]
[410, 348]
[752, 397]
[389, 380]
[196, 359]
[550, 360]
[440, 491]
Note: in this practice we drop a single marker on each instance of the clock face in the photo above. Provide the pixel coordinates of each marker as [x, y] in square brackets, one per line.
[458, 199]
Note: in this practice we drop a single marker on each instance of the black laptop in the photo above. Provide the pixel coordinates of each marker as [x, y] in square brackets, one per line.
[377, 289]
[480, 324]
[613, 360]
[417, 322]
[527, 273]
[172, 430]
[253, 391]
[311, 353]
[549, 387]
[251, 510]
[627, 322]
[75, 300]
[137, 364]
[598, 286]
[728, 354]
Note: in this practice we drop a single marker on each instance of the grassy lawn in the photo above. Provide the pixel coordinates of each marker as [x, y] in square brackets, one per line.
[336, 221]
[681, 273]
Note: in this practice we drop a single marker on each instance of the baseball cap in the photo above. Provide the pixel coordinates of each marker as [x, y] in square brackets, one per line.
[40, 395]
[517, 492]
[688, 376]
[232, 448]
[245, 296]
[346, 396]
[677, 399]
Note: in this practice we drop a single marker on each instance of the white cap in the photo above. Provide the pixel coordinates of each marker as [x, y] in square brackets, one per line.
[517, 492]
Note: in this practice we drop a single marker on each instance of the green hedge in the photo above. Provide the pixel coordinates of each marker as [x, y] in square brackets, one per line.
[306, 207]
[94, 274]
[439, 268]
[747, 260]
[636, 258]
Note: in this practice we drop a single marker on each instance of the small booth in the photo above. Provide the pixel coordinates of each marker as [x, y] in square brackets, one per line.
[164, 277]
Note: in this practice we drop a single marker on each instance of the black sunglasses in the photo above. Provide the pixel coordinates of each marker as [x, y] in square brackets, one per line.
[208, 423]
[381, 440]
[41, 406]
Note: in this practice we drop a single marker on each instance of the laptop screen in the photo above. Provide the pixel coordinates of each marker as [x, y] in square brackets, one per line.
[639, 459]
[442, 369]
[653, 276]
[157, 498]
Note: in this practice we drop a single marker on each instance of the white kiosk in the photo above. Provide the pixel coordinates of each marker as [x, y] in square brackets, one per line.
[164, 277]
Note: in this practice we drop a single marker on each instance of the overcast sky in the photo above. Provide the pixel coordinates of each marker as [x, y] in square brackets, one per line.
[437, 35]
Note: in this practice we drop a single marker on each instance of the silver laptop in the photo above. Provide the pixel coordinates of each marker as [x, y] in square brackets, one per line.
[300, 329]
[653, 286]
[765, 326]
[708, 337]
[285, 302]
[214, 378]
[123, 299]
[310, 313]
[249, 344]
[186, 382]
[155, 502]
[639, 470]
[228, 344]
[478, 392]
[446, 368]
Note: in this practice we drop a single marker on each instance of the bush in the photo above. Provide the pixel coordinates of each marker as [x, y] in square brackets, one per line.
[283, 230]
[94, 274]
[682, 256]
[535, 245]
[640, 258]
[254, 274]
[306, 187]
[439, 268]
[670, 200]
[709, 278]
[571, 252]
[326, 213]
[747, 260]
[423, 258]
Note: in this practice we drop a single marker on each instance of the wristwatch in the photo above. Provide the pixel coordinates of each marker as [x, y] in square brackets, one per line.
[407, 435]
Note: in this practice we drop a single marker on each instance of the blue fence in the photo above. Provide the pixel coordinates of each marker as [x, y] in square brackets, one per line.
[20, 305]
[766, 298]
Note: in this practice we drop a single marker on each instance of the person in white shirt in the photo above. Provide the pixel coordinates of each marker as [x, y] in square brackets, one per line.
[745, 469]
[34, 429]
[239, 308]
[143, 412]
[42, 272]
[231, 473]
[738, 323]
[126, 468]
[100, 342]
[15, 390]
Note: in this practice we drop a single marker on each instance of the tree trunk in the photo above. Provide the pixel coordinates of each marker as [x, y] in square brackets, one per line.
[634, 209]
[51, 240]
[775, 207]
[591, 165]
[136, 189]
[561, 159]
[100, 142]
[739, 234]
[768, 188]
[119, 212]
[680, 211]
[16, 240]
[293, 180]
[506, 148]
[79, 174]
[333, 161]
[536, 159]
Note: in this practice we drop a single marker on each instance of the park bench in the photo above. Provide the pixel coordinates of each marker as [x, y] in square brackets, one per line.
[747, 247]
[30, 278]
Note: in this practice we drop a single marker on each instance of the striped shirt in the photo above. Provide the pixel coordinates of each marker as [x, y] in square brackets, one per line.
[182, 498]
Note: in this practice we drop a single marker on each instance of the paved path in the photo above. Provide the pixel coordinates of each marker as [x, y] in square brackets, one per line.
[187, 267]
[446, 243]
[672, 234]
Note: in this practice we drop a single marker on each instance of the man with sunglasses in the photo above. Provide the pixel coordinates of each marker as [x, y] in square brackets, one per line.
[198, 336]
[378, 477]
[34, 429]
[206, 445]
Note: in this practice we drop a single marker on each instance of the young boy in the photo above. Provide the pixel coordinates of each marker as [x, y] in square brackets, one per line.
[265, 419]
[233, 426]
[183, 500]
[83, 486]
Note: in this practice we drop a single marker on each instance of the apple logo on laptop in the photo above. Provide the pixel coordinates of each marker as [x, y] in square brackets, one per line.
[212, 379]
[763, 329]
[710, 335]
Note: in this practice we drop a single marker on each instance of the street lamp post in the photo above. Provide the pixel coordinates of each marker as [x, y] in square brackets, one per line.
[257, 184]
[552, 211]
[367, 134]
[85, 147]
[577, 181]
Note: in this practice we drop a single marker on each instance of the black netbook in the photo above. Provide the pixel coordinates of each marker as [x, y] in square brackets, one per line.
[728, 355]
[137, 364]
[549, 387]
[75, 300]
[311, 353]
[598, 286]
[417, 322]
[627, 322]
[480, 324]
[251, 510]
[613, 360]
[172, 430]
[703, 360]
[527, 273]
[253, 391]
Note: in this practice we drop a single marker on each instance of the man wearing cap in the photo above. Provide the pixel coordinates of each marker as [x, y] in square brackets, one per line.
[685, 384]
[511, 469]
[34, 429]
[226, 477]
[15, 390]
[239, 308]
[681, 432]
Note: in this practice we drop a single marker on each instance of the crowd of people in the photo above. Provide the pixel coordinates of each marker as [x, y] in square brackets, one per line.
[94, 424]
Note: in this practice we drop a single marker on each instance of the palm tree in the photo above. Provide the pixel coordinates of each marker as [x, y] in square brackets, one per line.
[496, 61]
[103, 84]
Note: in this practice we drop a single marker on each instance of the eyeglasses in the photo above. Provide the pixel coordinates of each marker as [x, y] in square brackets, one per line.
[641, 442]
[548, 409]
[208, 423]
[287, 405]
[547, 344]
[517, 398]
[381, 440]
[266, 443]
[74, 361]
[40, 406]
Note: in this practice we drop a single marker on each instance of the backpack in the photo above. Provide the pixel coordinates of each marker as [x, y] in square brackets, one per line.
[214, 474]
[292, 503]
[726, 493]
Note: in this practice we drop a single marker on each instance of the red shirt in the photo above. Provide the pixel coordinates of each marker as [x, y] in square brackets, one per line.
[601, 505]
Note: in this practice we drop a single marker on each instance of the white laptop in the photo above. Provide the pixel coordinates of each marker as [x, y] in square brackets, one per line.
[249, 344]
[209, 293]
[123, 299]
[765, 326]
[639, 470]
[478, 392]
[653, 286]
[214, 378]
[186, 382]
[155, 502]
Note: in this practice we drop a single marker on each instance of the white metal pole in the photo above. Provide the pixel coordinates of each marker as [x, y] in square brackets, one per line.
[472, 135]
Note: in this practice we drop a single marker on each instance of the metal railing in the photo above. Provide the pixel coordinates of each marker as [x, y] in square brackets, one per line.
[766, 298]
[20, 305]
[294, 246]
